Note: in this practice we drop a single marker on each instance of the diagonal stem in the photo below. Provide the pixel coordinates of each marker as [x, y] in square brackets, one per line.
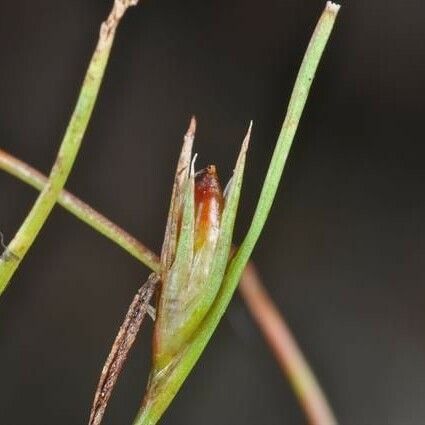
[29, 229]
[81, 210]
[287, 350]
[122, 345]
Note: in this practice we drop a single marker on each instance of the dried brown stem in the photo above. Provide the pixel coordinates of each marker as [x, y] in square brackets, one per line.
[121, 347]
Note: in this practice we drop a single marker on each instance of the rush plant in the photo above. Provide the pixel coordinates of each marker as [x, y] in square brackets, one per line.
[198, 270]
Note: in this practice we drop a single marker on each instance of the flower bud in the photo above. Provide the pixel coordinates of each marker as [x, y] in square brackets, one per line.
[195, 251]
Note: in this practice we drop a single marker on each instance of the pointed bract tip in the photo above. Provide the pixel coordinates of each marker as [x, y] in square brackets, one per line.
[247, 138]
[244, 148]
[192, 127]
[192, 165]
[251, 123]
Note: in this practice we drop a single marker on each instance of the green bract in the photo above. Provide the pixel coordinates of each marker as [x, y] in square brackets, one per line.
[191, 272]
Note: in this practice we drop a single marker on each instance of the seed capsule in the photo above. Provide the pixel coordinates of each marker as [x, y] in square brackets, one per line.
[208, 206]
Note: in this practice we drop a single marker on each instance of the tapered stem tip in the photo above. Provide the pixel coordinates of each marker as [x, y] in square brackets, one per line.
[332, 7]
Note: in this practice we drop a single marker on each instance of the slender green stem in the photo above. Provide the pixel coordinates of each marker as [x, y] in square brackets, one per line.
[81, 210]
[24, 238]
[151, 412]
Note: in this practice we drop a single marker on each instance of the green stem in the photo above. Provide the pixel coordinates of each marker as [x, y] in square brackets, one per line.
[152, 411]
[81, 210]
[24, 238]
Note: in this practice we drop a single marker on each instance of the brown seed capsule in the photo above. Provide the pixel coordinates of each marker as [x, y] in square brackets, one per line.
[208, 205]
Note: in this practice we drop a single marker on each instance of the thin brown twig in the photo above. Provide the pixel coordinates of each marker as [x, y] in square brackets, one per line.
[121, 347]
[285, 349]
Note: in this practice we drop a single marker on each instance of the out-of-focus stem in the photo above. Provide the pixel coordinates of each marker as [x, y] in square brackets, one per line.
[25, 237]
[285, 349]
[81, 210]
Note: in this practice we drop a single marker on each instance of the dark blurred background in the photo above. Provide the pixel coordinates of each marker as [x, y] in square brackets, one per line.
[342, 252]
